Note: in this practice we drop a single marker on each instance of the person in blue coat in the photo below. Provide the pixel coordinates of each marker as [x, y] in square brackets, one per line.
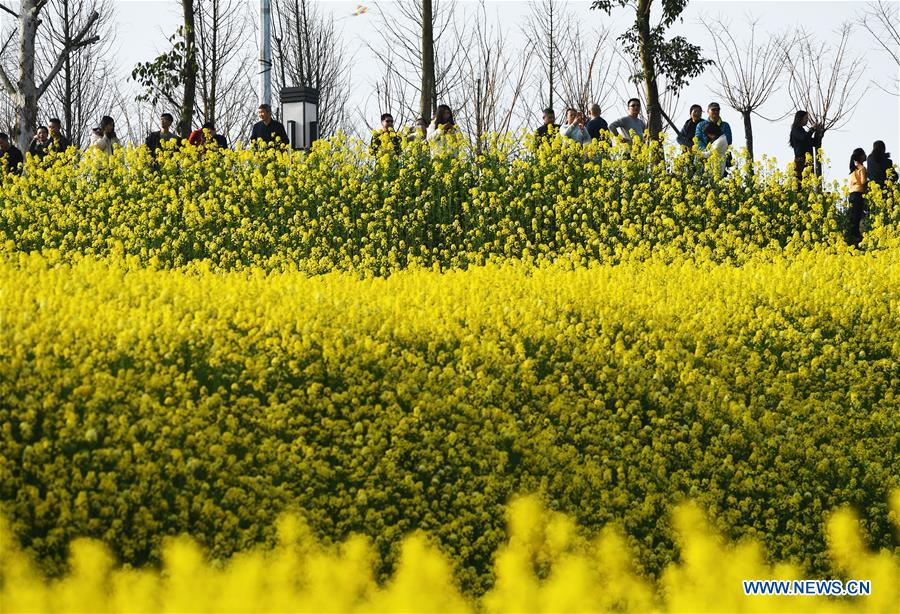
[713, 116]
[574, 128]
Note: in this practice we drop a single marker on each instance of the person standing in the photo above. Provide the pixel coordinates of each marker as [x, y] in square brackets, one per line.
[631, 122]
[713, 116]
[38, 146]
[57, 141]
[549, 127]
[879, 167]
[574, 127]
[106, 140]
[804, 142]
[386, 137]
[155, 139]
[211, 135]
[443, 133]
[689, 130]
[857, 195]
[717, 145]
[596, 126]
[207, 135]
[10, 156]
[420, 130]
[268, 129]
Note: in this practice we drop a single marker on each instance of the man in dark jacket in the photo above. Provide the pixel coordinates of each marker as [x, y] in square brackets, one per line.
[57, 142]
[686, 136]
[385, 137]
[220, 139]
[879, 164]
[10, 156]
[549, 118]
[40, 143]
[596, 125]
[267, 129]
[156, 138]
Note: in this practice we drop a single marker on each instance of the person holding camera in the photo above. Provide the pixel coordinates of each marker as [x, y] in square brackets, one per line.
[443, 136]
[574, 128]
[803, 142]
[104, 137]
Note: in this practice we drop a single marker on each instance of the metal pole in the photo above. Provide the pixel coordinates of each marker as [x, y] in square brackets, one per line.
[265, 52]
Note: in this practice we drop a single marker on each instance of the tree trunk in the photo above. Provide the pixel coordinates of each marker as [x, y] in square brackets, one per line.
[654, 115]
[551, 49]
[214, 65]
[190, 70]
[479, 124]
[748, 132]
[67, 74]
[428, 86]
[26, 98]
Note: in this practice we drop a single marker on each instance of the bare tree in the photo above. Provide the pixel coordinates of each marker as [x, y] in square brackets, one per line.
[748, 73]
[28, 88]
[881, 20]
[547, 19]
[81, 93]
[224, 65]
[589, 69]
[391, 93]
[823, 80]
[493, 80]
[172, 76]
[189, 67]
[309, 52]
[134, 118]
[399, 52]
[208, 68]
[576, 66]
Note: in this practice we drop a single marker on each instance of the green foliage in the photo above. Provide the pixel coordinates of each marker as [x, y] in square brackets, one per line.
[163, 77]
[676, 59]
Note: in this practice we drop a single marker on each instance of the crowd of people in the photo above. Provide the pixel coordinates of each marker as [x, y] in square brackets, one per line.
[712, 135]
[103, 138]
[707, 136]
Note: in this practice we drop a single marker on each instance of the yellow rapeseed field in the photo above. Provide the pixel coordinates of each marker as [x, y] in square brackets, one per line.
[545, 566]
[512, 380]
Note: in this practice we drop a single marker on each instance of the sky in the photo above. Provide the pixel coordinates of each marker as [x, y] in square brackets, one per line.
[143, 27]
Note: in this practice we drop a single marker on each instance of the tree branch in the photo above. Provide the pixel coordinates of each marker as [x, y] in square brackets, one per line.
[79, 40]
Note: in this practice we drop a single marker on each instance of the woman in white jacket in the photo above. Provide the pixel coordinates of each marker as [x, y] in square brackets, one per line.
[717, 144]
[106, 139]
[443, 135]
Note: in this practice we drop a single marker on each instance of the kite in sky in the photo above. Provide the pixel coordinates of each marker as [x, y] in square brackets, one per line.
[360, 10]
